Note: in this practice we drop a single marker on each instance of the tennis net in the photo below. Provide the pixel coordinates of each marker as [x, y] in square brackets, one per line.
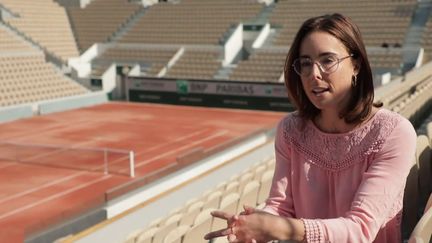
[105, 160]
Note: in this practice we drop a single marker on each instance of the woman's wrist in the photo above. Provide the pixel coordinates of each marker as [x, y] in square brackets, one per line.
[288, 229]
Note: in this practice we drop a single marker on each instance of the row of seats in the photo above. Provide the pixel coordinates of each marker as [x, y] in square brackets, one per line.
[154, 59]
[198, 64]
[190, 222]
[99, 20]
[413, 81]
[10, 42]
[368, 15]
[199, 22]
[427, 39]
[415, 105]
[265, 66]
[268, 65]
[46, 23]
[29, 78]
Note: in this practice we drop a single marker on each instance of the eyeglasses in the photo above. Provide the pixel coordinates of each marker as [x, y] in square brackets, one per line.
[303, 66]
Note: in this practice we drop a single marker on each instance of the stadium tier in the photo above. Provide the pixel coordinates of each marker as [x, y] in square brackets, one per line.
[45, 23]
[98, 21]
[427, 39]
[57, 55]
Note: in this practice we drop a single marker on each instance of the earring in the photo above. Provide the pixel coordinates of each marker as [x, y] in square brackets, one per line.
[354, 80]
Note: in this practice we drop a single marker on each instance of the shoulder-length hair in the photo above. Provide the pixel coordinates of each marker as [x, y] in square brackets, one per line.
[360, 105]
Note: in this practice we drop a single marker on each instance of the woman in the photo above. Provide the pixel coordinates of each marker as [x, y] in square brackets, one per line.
[341, 160]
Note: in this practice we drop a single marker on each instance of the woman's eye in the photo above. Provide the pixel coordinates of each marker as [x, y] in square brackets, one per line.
[328, 61]
[306, 63]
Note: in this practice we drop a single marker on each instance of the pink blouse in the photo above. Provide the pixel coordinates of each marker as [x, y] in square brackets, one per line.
[346, 187]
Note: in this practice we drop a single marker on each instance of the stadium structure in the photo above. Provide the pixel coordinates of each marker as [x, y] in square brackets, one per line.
[128, 121]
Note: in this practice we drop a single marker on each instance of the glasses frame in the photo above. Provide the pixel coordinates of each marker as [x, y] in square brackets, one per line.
[321, 68]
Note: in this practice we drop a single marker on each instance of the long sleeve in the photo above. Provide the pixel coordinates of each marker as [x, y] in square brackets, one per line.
[373, 204]
[280, 199]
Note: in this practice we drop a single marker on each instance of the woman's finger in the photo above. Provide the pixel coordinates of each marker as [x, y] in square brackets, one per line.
[217, 233]
[222, 215]
[249, 208]
[231, 238]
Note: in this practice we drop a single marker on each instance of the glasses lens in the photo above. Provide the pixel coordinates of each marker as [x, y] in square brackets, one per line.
[303, 66]
[328, 63]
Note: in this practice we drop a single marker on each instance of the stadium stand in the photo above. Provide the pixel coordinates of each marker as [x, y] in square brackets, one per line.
[100, 19]
[265, 65]
[156, 34]
[382, 22]
[231, 199]
[190, 22]
[46, 23]
[26, 77]
[9, 42]
[196, 64]
[151, 59]
[427, 39]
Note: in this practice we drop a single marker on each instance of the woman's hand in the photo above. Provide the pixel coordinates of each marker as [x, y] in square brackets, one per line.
[230, 218]
[244, 228]
[256, 226]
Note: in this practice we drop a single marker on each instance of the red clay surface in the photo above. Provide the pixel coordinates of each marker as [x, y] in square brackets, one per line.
[35, 197]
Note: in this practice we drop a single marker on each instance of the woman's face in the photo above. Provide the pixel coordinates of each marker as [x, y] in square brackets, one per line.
[328, 86]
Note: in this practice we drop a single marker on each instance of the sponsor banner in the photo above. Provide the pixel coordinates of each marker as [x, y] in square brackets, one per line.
[230, 94]
[185, 87]
[241, 102]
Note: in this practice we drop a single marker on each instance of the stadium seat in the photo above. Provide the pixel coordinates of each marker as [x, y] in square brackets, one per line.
[191, 212]
[213, 200]
[410, 201]
[201, 226]
[232, 187]
[228, 204]
[244, 179]
[176, 235]
[429, 132]
[265, 184]
[423, 230]
[168, 225]
[259, 171]
[147, 235]
[424, 164]
[249, 195]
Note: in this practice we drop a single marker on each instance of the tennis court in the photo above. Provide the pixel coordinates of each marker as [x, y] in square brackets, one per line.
[61, 165]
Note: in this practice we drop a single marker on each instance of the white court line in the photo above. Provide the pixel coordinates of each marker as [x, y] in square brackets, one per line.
[41, 186]
[144, 162]
[57, 195]
[171, 142]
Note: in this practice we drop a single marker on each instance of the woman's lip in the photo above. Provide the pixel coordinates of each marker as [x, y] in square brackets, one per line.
[320, 90]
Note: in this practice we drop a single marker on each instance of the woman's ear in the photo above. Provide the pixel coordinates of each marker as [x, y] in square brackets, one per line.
[356, 64]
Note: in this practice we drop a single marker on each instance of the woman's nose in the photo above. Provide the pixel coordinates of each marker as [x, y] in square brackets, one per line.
[316, 70]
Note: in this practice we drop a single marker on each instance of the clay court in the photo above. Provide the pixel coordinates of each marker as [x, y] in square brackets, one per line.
[57, 166]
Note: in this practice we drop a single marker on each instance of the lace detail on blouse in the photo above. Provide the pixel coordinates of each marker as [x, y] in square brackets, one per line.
[337, 152]
[313, 232]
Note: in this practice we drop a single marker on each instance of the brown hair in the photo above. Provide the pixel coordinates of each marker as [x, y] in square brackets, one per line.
[360, 105]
